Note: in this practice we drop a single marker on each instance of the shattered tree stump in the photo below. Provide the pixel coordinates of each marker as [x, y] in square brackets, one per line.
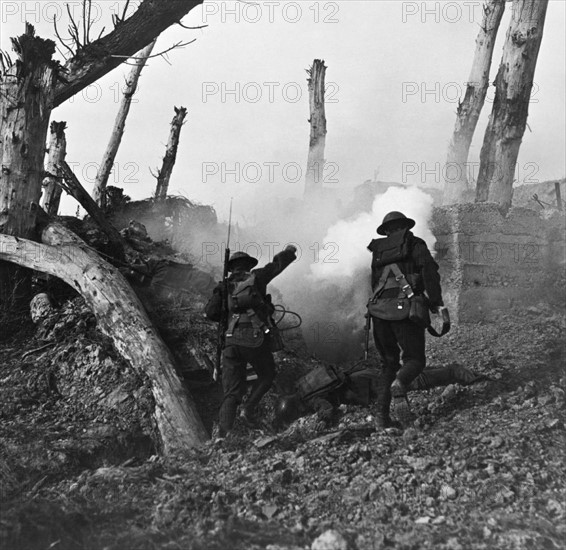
[121, 316]
[164, 175]
[57, 152]
[317, 120]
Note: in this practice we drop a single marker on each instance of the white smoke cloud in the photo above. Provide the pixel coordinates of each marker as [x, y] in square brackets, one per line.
[353, 236]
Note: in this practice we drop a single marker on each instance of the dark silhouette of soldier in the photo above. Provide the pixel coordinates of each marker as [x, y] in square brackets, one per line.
[402, 266]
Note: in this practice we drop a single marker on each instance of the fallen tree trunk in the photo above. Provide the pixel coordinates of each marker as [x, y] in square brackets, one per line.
[121, 316]
[73, 186]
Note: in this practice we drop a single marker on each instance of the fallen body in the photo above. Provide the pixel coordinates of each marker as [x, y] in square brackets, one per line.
[360, 387]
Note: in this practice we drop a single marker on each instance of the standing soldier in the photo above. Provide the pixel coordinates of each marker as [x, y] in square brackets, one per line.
[250, 335]
[402, 271]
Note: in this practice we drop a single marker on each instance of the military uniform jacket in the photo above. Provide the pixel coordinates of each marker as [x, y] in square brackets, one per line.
[420, 262]
[244, 332]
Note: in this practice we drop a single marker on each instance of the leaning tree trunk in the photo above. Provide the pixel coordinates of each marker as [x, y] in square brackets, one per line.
[73, 187]
[27, 89]
[456, 174]
[508, 118]
[317, 120]
[121, 316]
[164, 174]
[56, 153]
[99, 191]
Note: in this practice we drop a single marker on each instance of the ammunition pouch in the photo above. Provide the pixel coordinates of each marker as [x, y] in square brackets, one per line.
[418, 311]
[243, 331]
[407, 305]
[389, 309]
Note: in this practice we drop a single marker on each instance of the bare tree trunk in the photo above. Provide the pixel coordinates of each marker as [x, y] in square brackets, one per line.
[73, 186]
[164, 174]
[456, 176]
[26, 90]
[317, 120]
[56, 155]
[508, 118]
[99, 191]
[121, 316]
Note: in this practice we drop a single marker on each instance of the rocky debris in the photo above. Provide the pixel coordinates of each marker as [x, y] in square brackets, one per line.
[482, 467]
[330, 540]
[40, 307]
[70, 401]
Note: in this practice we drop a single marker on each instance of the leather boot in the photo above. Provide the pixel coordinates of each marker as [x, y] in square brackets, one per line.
[383, 399]
[400, 404]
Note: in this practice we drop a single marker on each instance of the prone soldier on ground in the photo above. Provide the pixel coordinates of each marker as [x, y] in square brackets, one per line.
[325, 388]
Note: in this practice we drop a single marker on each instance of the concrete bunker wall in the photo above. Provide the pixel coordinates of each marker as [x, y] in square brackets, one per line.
[490, 263]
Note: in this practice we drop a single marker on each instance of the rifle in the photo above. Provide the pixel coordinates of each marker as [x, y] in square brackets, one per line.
[223, 324]
[366, 334]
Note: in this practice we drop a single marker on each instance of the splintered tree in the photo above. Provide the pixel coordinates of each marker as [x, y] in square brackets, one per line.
[30, 89]
[317, 120]
[469, 109]
[27, 88]
[99, 191]
[164, 174]
[508, 118]
[56, 153]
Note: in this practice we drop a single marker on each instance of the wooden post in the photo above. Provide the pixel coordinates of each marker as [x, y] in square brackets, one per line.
[121, 316]
[508, 118]
[164, 174]
[317, 120]
[99, 191]
[456, 176]
[56, 155]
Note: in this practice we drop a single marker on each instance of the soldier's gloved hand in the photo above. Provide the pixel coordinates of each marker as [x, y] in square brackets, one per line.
[291, 248]
[435, 309]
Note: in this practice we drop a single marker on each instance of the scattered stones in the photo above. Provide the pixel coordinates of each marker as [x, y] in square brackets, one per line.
[330, 540]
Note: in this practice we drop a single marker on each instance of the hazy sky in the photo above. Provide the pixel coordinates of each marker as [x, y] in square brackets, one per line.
[395, 72]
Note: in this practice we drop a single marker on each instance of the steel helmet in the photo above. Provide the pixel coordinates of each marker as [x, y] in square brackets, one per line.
[241, 257]
[394, 216]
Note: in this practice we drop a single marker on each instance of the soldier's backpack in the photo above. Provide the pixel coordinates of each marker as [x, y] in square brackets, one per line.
[392, 249]
[245, 296]
[250, 315]
[319, 381]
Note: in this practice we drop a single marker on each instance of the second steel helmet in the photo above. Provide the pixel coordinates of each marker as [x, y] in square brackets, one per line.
[241, 257]
[394, 216]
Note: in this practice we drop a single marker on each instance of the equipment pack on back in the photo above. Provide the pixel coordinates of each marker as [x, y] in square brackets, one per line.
[249, 313]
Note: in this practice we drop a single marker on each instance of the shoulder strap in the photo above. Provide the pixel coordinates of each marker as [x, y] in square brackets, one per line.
[381, 283]
[402, 280]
